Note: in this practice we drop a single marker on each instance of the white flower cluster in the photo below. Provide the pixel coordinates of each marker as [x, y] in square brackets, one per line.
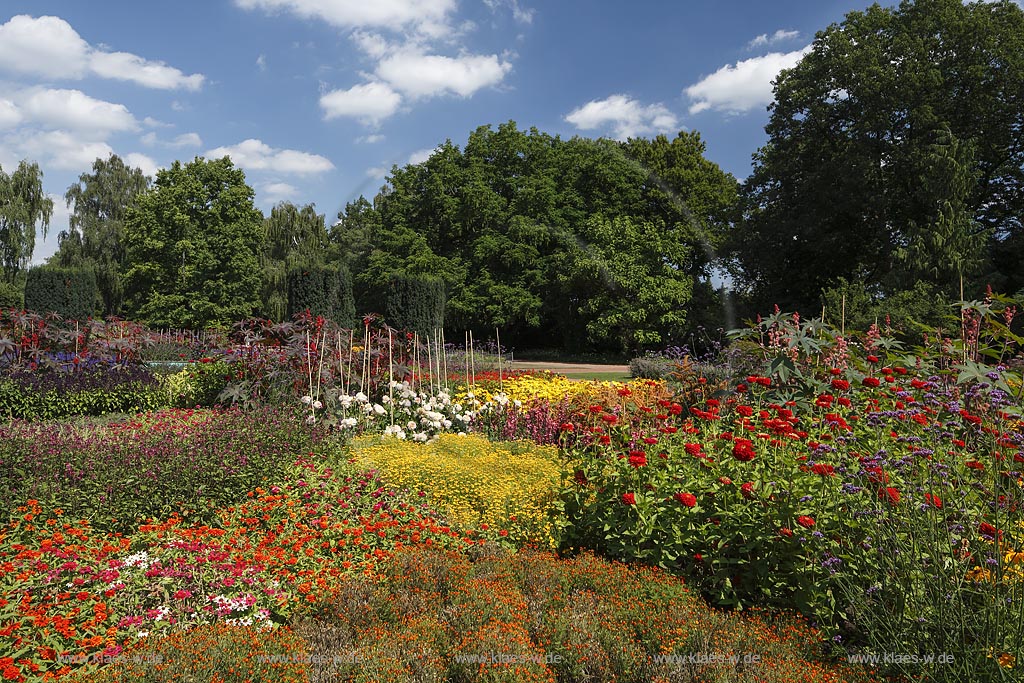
[407, 413]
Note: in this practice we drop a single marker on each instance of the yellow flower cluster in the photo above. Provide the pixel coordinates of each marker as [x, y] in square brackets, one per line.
[493, 486]
[555, 388]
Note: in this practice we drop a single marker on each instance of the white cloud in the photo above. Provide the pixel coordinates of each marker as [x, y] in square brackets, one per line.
[524, 15]
[370, 139]
[277, 192]
[74, 110]
[256, 155]
[625, 116]
[371, 103]
[179, 106]
[421, 155]
[779, 36]
[184, 140]
[742, 86]
[261, 62]
[422, 75]
[49, 47]
[64, 151]
[143, 162]
[123, 66]
[46, 46]
[150, 122]
[10, 115]
[373, 44]
[427, 16]
[377, 172]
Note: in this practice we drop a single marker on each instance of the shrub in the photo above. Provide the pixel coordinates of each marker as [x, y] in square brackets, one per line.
[69, 292]
[11, 296]
[207, 654]
[415, 304]
[651, 366]
[324, 291]
[507, 489]
[445, 616]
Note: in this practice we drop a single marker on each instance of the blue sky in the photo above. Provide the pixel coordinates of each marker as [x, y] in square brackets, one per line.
[317, 99]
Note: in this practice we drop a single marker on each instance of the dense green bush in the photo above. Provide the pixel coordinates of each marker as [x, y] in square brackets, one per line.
[650, 367]
[322, 290]
[415, 303]
[10, 296]
[70, 292]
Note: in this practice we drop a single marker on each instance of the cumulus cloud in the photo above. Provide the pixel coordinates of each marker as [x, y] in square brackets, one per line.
[10, 115]
[256, 155]
[370, 103]
[183, 140]
[424, 75]
[524, 15]
[430, 17]
[74, 110]
[49, 47]
[278, 192]
[765, 40]
[740, 87]
[63, 151]
[624, 116]
[370, 139]
[421, 155]
[143, 162]
[377, 172]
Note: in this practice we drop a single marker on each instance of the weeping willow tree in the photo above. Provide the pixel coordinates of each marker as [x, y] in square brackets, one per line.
[295, 238]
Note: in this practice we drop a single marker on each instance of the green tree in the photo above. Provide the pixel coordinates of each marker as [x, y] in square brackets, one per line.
[192, 247]
[501, 219]
[99, 202]
[895, 154]
[23, 207]
[295, 238]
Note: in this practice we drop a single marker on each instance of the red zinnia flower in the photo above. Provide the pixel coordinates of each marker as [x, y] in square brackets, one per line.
[974, 465]
[743, 450]
[567, 427]
[871, 382]
[629, 498]
[840, 384]
[725, 481]
[933, 500]
[890, 494]
[687, 499]
[747, 490]
[989, 531]
[805, 521]
[745, 411]
[692, 448]
[785, 531]
[637, 458]
[823, 469]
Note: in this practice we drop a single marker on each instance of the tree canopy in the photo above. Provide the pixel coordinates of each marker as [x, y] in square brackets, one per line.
[23, 206]
[895, 156]
[192, 247]
[524, 229]
[99, 202]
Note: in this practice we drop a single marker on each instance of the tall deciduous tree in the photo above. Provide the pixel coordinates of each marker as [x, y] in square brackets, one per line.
[294, 238]
[512, 221]
[99, 202]
[192, 247]
[23, 207]
[895, 154]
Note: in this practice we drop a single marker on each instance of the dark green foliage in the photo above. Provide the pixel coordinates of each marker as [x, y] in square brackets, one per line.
[322, 290]
[11, 296]
[415, 304]
[851, 306]
[895, 155]
[295, 239]
[69, 292]
[545, 238]
[100, 201]
[192, 248]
